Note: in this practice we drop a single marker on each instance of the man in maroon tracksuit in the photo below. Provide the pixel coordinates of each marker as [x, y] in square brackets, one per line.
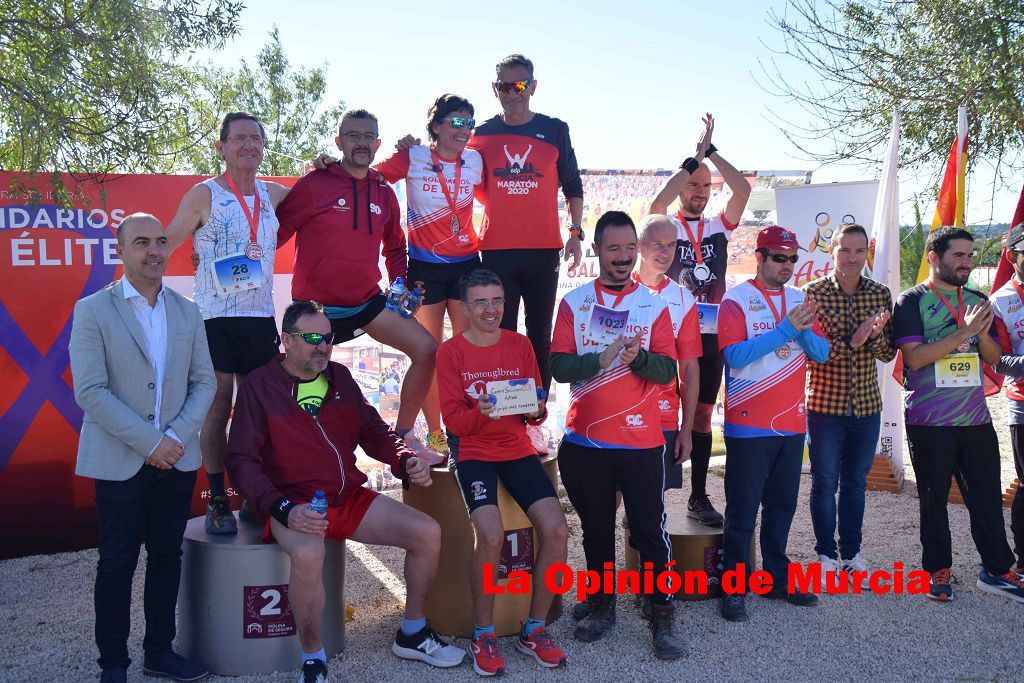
[296, 425]
[344, 217]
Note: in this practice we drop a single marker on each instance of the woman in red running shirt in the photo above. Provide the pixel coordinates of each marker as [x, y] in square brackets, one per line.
[439, 179]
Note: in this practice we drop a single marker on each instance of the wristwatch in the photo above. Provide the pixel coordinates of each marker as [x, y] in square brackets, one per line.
[576, 230]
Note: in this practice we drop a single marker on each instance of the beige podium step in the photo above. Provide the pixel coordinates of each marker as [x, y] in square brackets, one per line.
[695, 547]
[450, 602]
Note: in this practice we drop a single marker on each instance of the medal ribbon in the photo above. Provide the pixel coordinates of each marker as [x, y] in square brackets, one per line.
[958, 315]
[771, 304]
[619, 296]
[252, 216]
[695, 243]
[436, 160]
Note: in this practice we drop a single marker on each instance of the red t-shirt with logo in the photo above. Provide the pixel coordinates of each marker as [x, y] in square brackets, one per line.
[525, 165]
[463, 371]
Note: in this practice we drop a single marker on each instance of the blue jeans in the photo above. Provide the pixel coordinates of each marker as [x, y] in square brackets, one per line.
[762, 473]
[842, 448]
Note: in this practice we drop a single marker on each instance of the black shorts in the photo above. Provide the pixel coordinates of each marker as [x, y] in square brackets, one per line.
[673, 470]
[440, 280]
[524, 478]
[711, 364]
[240, 345]
[347, 329]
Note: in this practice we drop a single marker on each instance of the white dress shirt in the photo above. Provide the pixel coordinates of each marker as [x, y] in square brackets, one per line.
[153, 321]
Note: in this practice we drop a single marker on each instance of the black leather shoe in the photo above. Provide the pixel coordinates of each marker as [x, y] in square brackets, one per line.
[169, 664]
[667, 644]
[115, 675]
[795, 598]
[600, 619]
[734, 608]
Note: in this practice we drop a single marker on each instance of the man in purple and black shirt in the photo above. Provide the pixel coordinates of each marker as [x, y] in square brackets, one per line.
[943, 330]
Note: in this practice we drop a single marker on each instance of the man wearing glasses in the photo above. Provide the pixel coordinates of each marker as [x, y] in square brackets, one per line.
[493, 446]
[233, 228]
[700, 265]
[297, 423]
[527, 157]
[343, 217]
[765, 331]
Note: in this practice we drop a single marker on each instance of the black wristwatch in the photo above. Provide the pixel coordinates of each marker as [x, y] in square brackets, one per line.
[576, 230]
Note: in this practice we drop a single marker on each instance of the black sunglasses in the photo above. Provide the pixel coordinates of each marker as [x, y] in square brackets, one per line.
[314, 338]
[782, 258]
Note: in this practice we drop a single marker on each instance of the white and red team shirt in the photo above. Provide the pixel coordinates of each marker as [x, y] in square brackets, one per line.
[616, 408]
[766, 397]
[1009, 313]
[432, 237]
[682, 309]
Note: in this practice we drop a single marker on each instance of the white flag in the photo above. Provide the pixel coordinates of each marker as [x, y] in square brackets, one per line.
[885, 233]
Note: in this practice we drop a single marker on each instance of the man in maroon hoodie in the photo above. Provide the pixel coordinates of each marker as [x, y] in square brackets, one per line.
[297, 423]
[344, 216]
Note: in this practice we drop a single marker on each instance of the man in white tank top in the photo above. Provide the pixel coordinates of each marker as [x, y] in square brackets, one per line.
[233, 228]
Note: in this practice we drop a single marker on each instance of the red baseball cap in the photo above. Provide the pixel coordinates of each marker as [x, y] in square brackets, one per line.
[776, 237]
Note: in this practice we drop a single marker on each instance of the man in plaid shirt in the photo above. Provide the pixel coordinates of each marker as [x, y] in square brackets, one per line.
[843, 401]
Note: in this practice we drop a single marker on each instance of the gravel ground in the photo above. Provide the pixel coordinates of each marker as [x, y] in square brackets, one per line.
[46, 602]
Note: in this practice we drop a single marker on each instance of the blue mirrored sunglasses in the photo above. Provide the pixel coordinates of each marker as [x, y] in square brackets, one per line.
[457, 122]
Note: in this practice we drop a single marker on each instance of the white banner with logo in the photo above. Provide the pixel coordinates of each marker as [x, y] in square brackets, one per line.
[814, 211]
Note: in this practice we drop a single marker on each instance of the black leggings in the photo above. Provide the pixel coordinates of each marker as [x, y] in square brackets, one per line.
[530, 275]
[592, 475]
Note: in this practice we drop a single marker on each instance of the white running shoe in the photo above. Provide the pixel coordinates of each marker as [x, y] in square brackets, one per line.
[829, 566]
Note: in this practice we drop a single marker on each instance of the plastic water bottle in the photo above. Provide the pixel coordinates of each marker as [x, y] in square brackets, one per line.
[319, 503]
[412, 302]
[396, 291]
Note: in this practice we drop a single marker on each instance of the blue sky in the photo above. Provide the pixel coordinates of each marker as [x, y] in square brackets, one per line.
[632, 79]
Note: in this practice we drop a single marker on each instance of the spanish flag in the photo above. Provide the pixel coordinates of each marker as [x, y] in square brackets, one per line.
[949, 210]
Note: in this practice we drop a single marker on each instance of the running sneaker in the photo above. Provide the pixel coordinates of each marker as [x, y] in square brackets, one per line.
[828, 566]
[420, 450]
[538, 439]
[427, 646]
[855, 564]
[219, 518]
[541, 647]
[941, 589]
[1009, 585]
[314, 671]
[486, 657]
[701, 509]
[438, 442]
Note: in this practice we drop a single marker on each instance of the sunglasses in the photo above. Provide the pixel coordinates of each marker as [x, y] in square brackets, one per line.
[782, 258]
[517, 86]
[457, 122]
[314, 338]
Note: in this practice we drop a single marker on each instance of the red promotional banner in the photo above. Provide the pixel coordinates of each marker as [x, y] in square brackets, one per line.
[50, 257]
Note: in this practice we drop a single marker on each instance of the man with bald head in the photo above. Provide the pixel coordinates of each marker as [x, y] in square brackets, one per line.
[702, 272]
[143, 376]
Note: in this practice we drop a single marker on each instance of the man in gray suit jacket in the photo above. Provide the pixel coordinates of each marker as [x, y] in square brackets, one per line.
[143, 376]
